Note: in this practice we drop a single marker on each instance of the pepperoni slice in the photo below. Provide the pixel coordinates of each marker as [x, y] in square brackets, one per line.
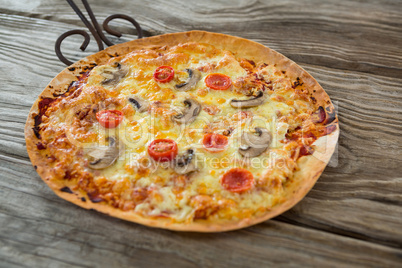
[319, 115]
[109, 118]
[164, 74]
[237, 180]
[163, 150]
[215, 142]
[218, 81]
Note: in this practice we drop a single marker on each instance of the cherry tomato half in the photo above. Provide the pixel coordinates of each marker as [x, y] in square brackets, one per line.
[109, 118]
[162, 150]
[215, 142]
[218, 81]
[237, 180]
[164, 74]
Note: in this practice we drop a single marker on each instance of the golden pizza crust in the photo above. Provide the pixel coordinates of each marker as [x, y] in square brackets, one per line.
[311, 166]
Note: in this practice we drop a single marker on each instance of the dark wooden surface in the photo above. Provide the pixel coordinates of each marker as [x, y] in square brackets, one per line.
[353, 215]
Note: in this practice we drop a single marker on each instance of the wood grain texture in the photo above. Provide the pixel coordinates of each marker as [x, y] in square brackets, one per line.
[353, 215]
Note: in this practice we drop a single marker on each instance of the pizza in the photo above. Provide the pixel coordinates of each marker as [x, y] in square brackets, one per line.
[192, 131]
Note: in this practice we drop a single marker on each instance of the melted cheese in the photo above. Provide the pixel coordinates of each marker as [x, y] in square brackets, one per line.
[139, 129]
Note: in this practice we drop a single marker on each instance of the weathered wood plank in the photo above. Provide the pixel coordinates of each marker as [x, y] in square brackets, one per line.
[352, 215]
[51, 232]
[339, 87]
[344, 35]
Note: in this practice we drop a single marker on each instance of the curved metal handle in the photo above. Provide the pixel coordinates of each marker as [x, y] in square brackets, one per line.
[64, 36]
[94, 28]
[124, 17]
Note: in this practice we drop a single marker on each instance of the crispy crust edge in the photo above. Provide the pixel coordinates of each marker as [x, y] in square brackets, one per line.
[311, 166]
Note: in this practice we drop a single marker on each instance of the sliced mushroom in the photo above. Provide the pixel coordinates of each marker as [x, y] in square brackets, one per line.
[138, 103]
[193, 77]
[252, 102]
[255, 144]
[113, 74]
[105, 156]
[188, 115]
[185, 163]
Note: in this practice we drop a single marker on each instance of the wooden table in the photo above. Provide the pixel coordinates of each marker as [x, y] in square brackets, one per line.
[353, 215]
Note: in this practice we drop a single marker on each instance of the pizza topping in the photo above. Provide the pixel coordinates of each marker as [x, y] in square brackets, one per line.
[215, 142]
[163, 150]
[330, 128]
[252, 102]
[138, 103]
[253, 145]
[218, 81]
[193, 77]
[237, 180]
[250, 84]
[95, 198]
[330, 115]
[189, 114]
[305, 150]
[204, 206]
[211, 109]
[103, 157]
[164, 74]
[109, 118]
[43, 105]
[319, 115]
[185, 163]
[248, 65]
[227, 131]
[40, 146]
[325, 116]
[183, 191]
[114, 74]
